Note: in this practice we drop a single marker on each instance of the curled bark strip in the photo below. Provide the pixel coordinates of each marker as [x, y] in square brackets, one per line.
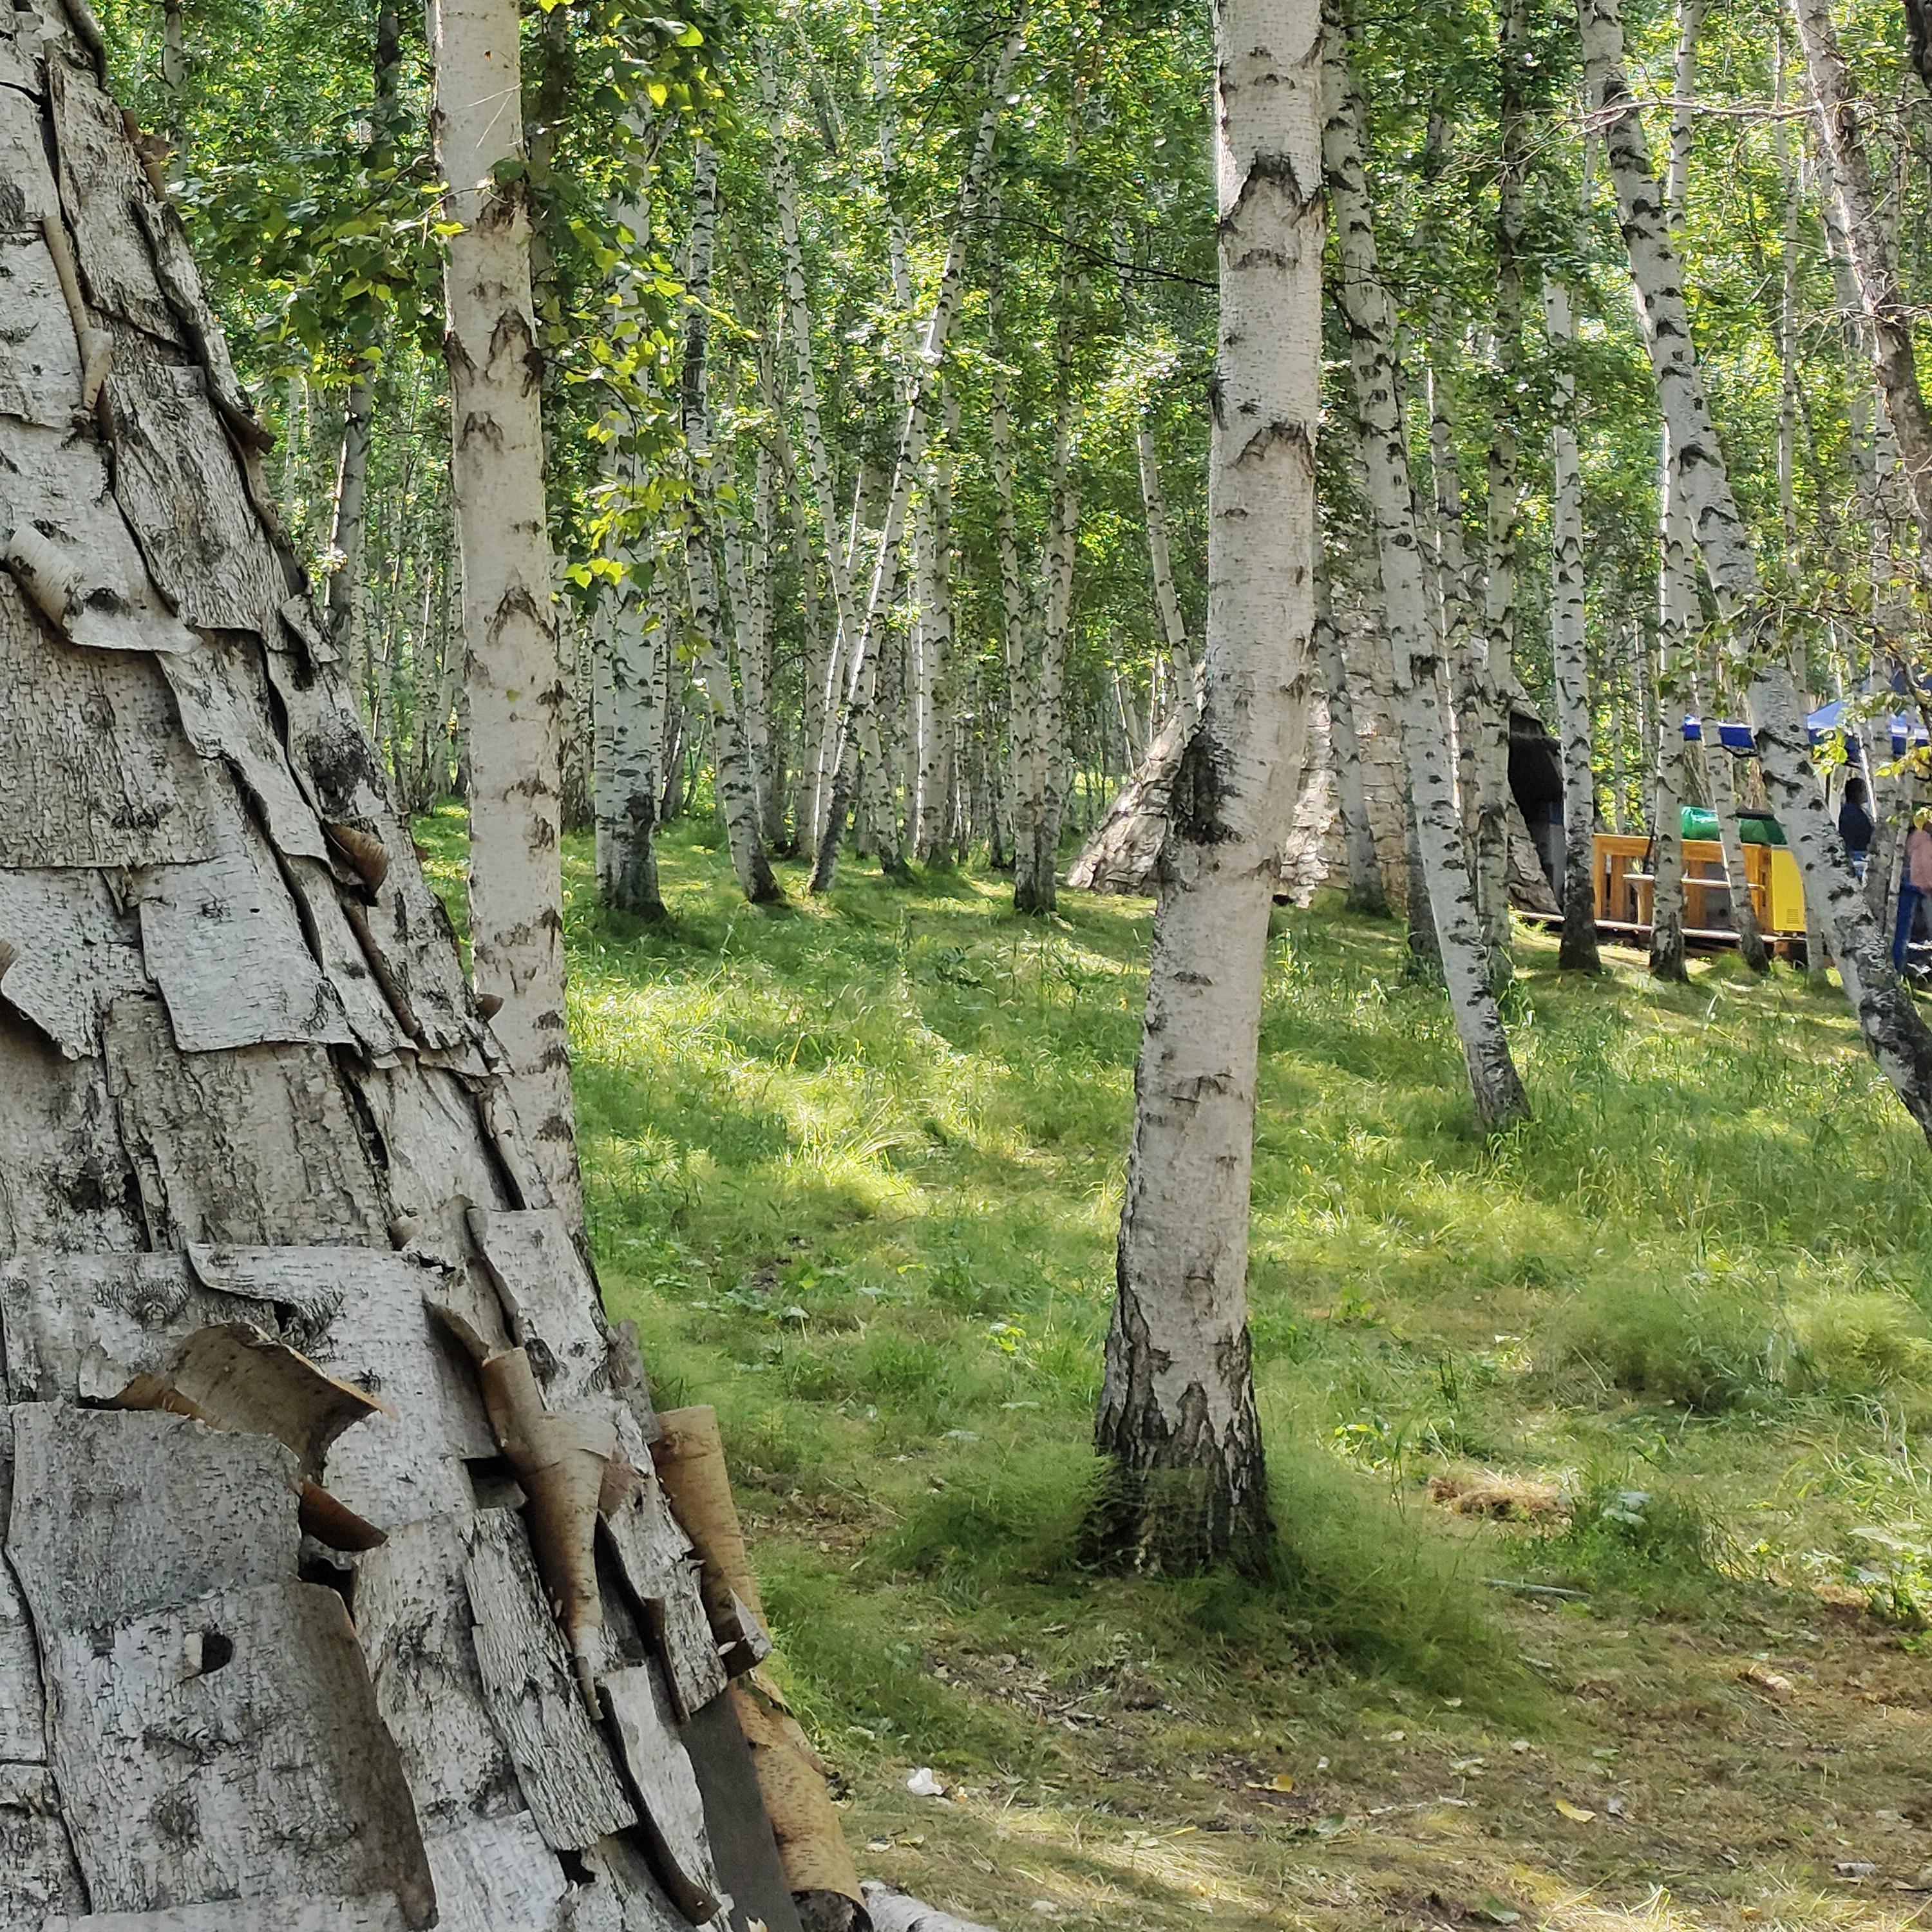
[232, 1376]
[563, 1462]
[96, 345]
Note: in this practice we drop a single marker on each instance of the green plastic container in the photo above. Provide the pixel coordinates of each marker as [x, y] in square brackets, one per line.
[1754, 828]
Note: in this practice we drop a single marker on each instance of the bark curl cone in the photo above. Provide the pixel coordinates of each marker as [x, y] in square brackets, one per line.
[251, 1127]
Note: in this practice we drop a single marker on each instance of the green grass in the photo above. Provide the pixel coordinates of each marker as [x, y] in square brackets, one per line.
[854, 1167]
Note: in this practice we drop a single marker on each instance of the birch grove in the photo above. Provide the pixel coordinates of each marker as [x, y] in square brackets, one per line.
[1897, 1036]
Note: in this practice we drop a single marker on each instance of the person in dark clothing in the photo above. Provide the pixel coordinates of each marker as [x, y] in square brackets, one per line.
[1855, 821]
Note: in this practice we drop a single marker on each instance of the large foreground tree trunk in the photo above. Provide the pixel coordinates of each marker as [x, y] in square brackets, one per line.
[1893, 1030]
[340, 1589]
[512, 679]
[1177, 1414]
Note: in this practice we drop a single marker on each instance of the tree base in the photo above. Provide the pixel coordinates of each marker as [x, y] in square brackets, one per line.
[1176, 1523]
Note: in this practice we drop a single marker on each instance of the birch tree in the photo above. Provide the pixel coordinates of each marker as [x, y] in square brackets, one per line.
[1887, 316]
[1176, 1416]
[1364, 892]
[736, 781]
[1569, 656]
[1898, 1037]
[287, 1293]
[1676, 573]
[1494, 1082]
[512, 685]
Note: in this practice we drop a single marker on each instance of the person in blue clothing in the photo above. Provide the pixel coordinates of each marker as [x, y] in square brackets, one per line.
[1855, 823]
[1915, 881]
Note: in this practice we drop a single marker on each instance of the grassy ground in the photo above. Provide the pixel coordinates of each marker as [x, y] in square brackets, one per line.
[854, 1167]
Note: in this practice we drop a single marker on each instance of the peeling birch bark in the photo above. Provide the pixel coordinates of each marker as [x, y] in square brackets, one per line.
[242, 1070]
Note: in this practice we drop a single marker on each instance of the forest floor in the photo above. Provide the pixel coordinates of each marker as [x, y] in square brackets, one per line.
[854, 1167]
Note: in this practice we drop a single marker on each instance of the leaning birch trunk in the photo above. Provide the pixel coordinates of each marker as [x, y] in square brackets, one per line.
[731, 763]
[1490, 847]
[1466, 966]
[1569, 655]
[1887, 315]
[861, 676]
[1898, 1037]
[265, 1660]
[1365, 892]
[511, 679]
[1176, 1415]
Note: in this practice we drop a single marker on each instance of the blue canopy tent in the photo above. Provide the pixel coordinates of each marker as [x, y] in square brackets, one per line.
[1830, 718]
[1828, 721]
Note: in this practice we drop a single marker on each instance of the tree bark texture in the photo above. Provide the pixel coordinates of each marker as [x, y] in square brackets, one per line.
[286, 1291]
[1177, 1414]
[512, 680]
[1494, 1082]
[1897, 1036]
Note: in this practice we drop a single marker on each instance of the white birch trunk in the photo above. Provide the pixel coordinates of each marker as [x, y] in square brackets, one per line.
[1040, 691]
[933, 723]
[1160, 563]
[1724, 808]
[1494, 1082]
[732, 769]
[1365, 892]
[1893, 1030]
[1569, 656]
[511, 680]
[251, 1127]
[1176, 1413]
[1677, 614]
[1676, 578]
[1887, 315]
[1493, 801]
